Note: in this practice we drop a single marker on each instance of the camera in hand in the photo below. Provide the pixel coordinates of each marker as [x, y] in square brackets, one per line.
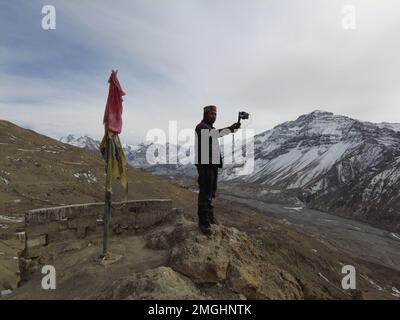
[243, 115]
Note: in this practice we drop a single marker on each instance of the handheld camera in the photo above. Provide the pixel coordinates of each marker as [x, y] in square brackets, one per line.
[243, 115]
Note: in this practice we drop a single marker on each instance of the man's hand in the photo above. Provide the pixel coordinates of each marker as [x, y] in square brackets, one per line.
[235, 126]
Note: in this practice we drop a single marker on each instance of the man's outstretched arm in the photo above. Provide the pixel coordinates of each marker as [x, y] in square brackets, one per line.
[228, 130]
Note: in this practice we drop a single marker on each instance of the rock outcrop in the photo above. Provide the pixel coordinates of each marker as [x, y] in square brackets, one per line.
[155, 284]
[229, 257]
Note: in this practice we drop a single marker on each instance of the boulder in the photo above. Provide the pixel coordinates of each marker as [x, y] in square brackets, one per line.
[231, 257]
[261, 280]
[154, 284]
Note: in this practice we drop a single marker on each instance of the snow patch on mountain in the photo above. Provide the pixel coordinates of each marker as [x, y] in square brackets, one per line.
[81, 142]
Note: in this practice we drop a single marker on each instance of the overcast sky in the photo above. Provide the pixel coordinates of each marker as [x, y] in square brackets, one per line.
[275, 59]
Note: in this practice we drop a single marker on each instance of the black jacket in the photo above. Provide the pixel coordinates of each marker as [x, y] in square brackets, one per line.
[212, 143]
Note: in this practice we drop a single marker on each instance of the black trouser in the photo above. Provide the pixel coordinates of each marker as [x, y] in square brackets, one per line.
[208, 176]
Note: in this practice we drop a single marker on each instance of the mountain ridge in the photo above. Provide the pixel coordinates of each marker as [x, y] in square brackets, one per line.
[336, 163]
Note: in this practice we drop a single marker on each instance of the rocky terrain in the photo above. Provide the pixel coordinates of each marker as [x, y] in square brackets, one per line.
[263, 260]
[37, 171]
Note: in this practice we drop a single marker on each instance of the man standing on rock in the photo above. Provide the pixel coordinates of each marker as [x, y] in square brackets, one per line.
[208, 160]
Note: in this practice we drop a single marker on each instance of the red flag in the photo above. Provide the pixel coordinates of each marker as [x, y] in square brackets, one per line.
[113, 113]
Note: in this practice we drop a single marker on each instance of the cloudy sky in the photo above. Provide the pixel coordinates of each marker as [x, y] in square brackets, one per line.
[275, 59]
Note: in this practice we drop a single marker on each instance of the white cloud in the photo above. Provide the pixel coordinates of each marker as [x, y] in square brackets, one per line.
[275, 59]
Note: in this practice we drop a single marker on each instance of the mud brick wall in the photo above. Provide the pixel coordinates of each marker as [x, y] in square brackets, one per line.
[43, 226]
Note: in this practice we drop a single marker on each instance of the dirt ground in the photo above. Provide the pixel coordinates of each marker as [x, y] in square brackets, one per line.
[315, 263]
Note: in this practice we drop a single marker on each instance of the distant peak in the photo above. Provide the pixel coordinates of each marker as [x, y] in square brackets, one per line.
[316, 114]
[321, 111]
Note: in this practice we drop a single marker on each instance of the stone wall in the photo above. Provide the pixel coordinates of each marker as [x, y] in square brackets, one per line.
[43, 226]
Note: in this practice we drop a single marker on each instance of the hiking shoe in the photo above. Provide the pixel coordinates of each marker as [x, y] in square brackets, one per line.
[205, 229]
[212, 219]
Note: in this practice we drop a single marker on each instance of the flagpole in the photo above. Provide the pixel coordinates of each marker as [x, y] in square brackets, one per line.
[112, 152]
[106, 221]
[107, 202]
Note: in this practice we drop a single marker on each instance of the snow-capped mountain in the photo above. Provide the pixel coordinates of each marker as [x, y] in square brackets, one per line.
[81, 142]
[296, 153]
[335, 163]
[393, 126]
[136, 156]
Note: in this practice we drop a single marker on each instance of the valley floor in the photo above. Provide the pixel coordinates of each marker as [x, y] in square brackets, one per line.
[357, 238]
